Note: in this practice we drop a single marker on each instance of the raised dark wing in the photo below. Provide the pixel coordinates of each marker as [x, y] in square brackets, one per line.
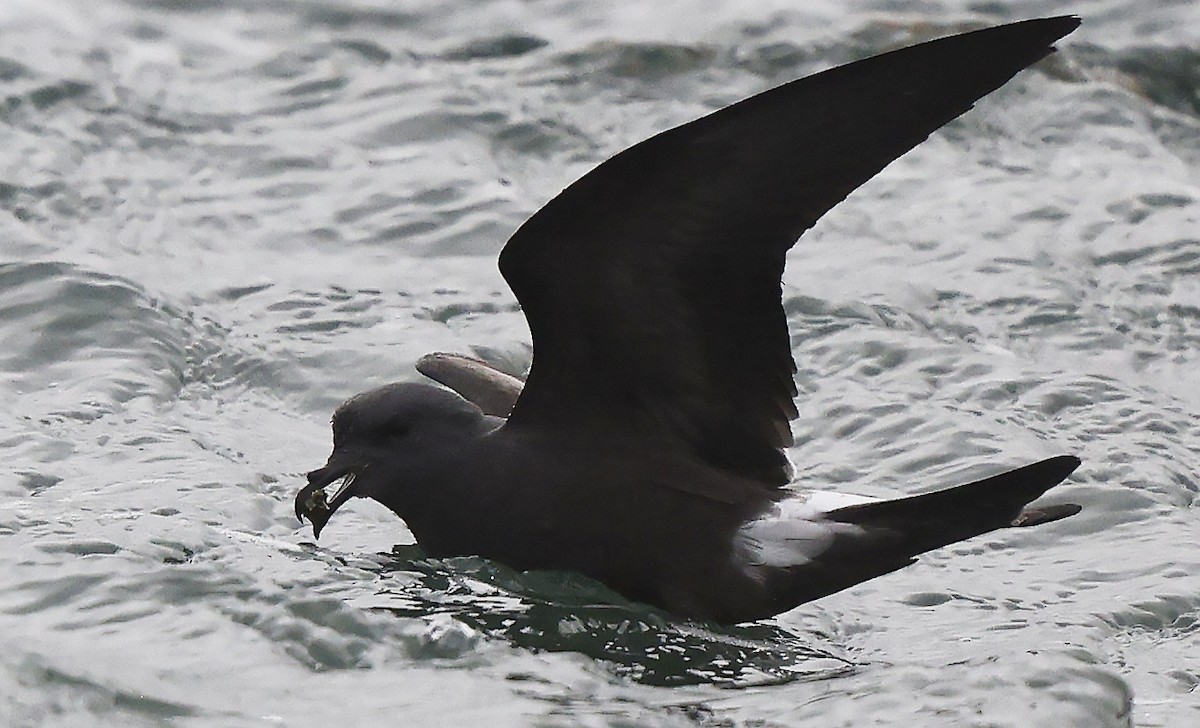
[490, 389]
[652, 284]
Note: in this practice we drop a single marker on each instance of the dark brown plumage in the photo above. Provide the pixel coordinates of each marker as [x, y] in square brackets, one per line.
[646, 448]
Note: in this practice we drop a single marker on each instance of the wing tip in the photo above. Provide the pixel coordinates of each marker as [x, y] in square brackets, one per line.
[492, 390]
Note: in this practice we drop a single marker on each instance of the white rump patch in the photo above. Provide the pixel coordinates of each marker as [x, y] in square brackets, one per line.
[790, 466]
[794, 532]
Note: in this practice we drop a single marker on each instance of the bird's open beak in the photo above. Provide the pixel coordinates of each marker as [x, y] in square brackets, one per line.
[311, 501]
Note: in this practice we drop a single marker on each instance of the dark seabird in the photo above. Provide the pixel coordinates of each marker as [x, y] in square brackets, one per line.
[646, 447]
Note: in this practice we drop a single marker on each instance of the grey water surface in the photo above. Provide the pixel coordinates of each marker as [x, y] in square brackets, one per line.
[221, 218]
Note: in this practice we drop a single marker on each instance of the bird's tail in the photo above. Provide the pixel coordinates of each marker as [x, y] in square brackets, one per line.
[884, 536]
[932, 520]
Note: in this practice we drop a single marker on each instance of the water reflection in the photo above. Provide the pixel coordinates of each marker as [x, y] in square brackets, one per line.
[563, 612]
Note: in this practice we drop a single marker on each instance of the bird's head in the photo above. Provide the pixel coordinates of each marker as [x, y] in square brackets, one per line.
[383, 438]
